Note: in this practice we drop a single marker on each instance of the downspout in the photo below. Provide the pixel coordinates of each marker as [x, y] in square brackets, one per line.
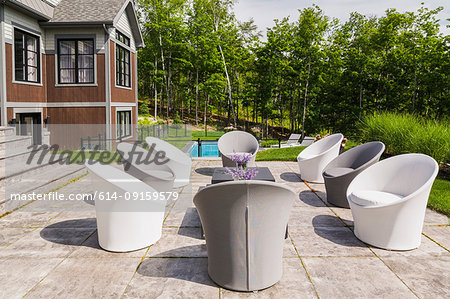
[3, 108]
[108, 131]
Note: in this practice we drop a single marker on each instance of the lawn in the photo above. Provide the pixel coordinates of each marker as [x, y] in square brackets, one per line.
[210, 135]
[280, 154]
[440, 197]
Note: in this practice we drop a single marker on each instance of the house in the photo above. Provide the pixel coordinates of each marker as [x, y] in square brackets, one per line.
[69, 62]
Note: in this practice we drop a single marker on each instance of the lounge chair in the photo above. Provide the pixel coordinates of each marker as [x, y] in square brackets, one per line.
[180, 163]
[135, 161]
[244, 224]
[292, 141]
[125, 225]
[344, 168]
[237, 142]
[389, 199]
[313, 159]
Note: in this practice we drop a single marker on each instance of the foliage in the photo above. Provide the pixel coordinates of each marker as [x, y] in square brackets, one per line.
[280, 154]
[439, 199]
[268, 143]
[405, 133]
[143, 108]
[177, 119]
[310, 73]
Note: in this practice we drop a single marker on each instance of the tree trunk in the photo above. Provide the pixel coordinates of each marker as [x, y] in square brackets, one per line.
[156, 89]
[229, 85]
[305, 98]
[196, 98]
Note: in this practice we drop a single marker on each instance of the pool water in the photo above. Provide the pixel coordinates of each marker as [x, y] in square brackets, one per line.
[208, 149]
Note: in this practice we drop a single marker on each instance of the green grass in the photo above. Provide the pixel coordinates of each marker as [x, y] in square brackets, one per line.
[404, 133]
[440, 197]
[280, 154]
[211, 135]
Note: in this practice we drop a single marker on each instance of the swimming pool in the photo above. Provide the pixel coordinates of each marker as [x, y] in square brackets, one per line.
[208, 149]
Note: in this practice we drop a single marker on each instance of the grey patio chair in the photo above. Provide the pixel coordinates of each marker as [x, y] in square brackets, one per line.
[244, 224]
[238, 142]
[340, 172]
[135, 161]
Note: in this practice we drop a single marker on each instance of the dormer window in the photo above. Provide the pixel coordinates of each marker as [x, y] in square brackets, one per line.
[75, 61]
[26, 57]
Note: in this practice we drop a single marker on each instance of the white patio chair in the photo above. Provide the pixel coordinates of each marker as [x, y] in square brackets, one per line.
[388, 201]
[237, 142]
[180, 163]
[124, 223]
[136, 162]
[313, 159]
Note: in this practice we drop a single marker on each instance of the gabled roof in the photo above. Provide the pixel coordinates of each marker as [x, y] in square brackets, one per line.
[71, 13]
[87, 11]
[38, 9]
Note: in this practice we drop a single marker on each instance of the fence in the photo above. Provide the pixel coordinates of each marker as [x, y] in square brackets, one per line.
[162, 131]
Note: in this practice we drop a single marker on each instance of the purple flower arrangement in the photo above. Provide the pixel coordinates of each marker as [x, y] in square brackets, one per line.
[241, 172]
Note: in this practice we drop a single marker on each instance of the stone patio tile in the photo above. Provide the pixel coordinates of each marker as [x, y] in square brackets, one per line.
[172, 278]
[426, 248]
[344, 214]
[9, 235]
[318, 188]
[307, 198]
[327, 241]
[48, 243]
[91, 249]
[428, 277]
[293, 284]
[183, 217]
[73, 215]
[317, 217]
[434, 218]
[439, 234]
[18, 275]
[87, 278]
[179, 242]
[354, 277]
[27, 219]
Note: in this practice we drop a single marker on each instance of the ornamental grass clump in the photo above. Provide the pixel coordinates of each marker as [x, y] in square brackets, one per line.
[405, 133]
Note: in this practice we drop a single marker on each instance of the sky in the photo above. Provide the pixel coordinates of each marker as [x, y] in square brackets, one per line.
[265, 11]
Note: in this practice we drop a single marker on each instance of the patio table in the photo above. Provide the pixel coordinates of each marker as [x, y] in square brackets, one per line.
[220, 175]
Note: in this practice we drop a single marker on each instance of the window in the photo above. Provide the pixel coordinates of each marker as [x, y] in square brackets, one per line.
[26, 57]
[123, 124]
[122, 61]
[76, 61]
[122, 38]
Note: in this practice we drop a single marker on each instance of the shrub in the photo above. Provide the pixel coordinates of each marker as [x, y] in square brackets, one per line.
[268, 143]
[405, 133]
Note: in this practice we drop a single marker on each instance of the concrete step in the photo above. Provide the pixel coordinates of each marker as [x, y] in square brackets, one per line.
[12, 143]
[40, 181]
[7, 131]
[17, 165]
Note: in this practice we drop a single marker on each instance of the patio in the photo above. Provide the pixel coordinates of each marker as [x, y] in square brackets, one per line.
[51, 250]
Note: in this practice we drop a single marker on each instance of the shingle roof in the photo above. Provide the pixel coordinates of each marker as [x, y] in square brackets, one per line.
[86, 11]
